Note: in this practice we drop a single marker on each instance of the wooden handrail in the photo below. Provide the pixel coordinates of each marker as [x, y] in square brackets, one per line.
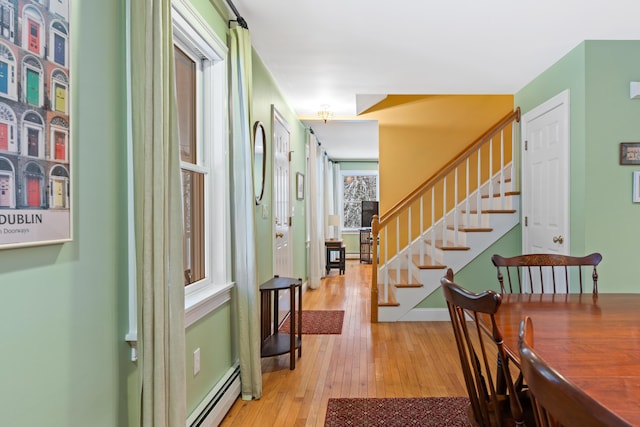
[440, 174]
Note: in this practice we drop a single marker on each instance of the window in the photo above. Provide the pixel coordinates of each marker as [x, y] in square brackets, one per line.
[201, 93]
[357, 186]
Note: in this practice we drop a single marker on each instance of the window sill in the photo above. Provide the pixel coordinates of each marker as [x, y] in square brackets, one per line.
[205, 300]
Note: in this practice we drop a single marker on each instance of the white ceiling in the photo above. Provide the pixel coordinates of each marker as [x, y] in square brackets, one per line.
[331, 51]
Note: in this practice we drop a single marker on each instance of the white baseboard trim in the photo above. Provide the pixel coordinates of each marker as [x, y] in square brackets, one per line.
[426, 315]
[217, 403]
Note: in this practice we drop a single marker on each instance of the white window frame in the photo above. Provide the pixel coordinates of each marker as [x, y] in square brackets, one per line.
[204, 296]
[348, 172]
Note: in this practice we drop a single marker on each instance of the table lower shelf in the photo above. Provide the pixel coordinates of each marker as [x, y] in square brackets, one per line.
[278, 344]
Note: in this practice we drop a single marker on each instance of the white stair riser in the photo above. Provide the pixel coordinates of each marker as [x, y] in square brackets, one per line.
[430, 279]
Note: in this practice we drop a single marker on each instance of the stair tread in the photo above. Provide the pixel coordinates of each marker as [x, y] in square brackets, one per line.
[405, 281]
[448, 246]
[392, 298]
[428, 264]
[496, 211]
[472, 229]
[497, 195]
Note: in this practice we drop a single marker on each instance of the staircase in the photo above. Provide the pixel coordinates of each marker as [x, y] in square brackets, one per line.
[467, 206]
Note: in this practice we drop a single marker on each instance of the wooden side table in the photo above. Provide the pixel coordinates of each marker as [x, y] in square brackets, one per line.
[336, 254]
[275, 343]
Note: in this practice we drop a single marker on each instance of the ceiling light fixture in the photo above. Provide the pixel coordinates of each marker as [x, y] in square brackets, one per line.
[324, 113]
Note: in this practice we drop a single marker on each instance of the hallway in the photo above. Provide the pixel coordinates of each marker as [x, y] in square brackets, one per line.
[404, 359]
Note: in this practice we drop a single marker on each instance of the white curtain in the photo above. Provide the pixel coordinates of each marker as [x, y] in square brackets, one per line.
[328, 195]
[337, 194]
[243, 207]
[317, 215]
[158, 217]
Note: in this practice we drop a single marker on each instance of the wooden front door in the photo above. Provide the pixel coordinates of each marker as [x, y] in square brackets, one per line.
[33, 191]
[4, 78]
[32, 141]
[5, 191]
[58, 194]
[60, 149]
[33, 87]
[4, 136]
[34, 36]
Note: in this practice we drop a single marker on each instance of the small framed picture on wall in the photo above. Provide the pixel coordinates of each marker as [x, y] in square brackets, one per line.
[630, 153]
[636, 187]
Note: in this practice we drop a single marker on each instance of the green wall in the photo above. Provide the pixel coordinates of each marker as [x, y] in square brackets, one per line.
[265, 94]
[212, 335]
[597, 74]
[63, 309]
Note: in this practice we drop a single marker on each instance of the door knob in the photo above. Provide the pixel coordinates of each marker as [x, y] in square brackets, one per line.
[279, 235]
[558, 239]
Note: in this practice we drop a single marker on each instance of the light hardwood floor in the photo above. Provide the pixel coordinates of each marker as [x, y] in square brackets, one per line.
[403, 359]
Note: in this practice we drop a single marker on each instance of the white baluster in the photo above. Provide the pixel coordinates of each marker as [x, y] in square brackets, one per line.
[421, 246]
[467, 207]
[455, 208]
[433, 225]
[491, 173]
[444, 211]
[502, 199]
[478, 195]
[398, 249]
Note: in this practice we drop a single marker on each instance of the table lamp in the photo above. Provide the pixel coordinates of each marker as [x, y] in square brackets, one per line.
[334, 220]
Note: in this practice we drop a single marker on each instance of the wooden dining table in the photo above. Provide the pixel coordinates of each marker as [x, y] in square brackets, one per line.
[594, 341]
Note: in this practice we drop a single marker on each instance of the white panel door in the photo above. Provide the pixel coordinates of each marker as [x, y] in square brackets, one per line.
[281, 196]
[545, 178]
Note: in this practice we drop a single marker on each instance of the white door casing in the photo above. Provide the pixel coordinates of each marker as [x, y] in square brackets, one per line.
[545, 177]
[281, 196]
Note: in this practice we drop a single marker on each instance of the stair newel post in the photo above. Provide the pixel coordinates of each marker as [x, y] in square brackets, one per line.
[375, 229]
[514, 137]
[502, 169]
[491, 173]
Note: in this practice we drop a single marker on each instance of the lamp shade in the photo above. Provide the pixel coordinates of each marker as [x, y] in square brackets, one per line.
[334, 220]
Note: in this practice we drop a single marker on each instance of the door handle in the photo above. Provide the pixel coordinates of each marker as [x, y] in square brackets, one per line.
[279, 235]
[558, 239]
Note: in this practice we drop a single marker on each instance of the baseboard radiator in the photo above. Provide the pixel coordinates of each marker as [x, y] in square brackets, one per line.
[218, 402]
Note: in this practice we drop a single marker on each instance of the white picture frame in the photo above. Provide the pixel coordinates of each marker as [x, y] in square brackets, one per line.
[636, 187]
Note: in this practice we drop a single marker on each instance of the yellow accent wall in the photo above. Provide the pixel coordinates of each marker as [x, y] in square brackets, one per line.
[420, 133]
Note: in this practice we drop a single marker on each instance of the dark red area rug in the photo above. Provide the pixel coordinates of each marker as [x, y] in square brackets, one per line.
[401, 412]
[318, 322]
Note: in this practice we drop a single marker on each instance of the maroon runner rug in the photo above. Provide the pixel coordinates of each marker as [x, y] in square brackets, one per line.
[401, 412]
[318, 322]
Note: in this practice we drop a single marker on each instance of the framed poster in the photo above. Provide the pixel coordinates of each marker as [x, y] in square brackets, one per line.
[35, 126]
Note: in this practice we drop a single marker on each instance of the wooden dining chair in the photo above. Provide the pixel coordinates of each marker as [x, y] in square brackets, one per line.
[545, 273]
[476, 348]
[556, 401]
